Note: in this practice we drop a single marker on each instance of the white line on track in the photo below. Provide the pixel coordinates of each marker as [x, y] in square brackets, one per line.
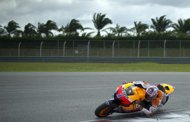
[171, 116]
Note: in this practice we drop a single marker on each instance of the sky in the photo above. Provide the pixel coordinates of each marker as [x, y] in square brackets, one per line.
[122, 12]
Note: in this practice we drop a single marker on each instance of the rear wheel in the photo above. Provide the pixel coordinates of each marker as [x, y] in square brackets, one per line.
[103, 110]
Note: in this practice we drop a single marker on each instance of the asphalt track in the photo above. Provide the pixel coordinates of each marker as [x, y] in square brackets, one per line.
[73, 97]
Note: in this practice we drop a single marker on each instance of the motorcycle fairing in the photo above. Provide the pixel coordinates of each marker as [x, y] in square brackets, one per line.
[128, 93]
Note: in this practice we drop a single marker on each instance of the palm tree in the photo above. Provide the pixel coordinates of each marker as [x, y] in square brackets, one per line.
[12, 27]
[72, 27]
[51, 25]
[161, 24]
[88, 35]
[1, 30]
[118, 30]
[100, 21]
[46, 28]
[42, 29]
[30, 30]
[140, 28]
[182, 26]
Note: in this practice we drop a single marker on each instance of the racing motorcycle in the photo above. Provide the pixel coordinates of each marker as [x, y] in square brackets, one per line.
[114, 104]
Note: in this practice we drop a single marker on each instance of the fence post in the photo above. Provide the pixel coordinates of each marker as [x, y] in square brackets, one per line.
[58, 47]
[88, 49]
[138, 53]
[180, 48]
[134, 49]
[64, 48]
[164, 48]
[148, 48]
[41, 44]
[19, 48]
[113, 48]
[73, 48]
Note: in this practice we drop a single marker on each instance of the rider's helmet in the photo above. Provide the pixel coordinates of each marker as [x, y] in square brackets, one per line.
[151, 92]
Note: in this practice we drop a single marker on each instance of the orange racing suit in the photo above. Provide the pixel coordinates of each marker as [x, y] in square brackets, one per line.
[154, 104]
[135, 92]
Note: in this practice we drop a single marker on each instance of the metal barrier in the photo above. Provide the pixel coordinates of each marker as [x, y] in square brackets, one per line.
[98, 48]
[96, 60]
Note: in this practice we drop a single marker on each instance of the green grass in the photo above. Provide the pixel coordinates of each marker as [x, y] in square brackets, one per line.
[91, 67]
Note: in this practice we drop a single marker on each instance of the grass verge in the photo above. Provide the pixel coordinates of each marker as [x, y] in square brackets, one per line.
[91, 67]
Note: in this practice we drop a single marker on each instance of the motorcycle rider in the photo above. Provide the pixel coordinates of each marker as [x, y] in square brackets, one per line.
[153, 100]
[145, 95]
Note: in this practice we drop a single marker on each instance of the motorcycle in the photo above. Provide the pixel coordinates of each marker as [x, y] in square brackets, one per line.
[114, 105]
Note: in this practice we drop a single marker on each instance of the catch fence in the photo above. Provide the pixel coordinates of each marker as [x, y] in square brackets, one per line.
[97, 48]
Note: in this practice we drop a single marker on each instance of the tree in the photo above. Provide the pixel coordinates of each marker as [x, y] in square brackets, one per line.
[100, 21]
[2, 30]
[12, 27]
[46, 28]
[182, 26]
[51, 25]
[72, 27]
[87, 35]
[30, 30]
[118, 30]
[140, 28]
[160, 24]
[42, 29]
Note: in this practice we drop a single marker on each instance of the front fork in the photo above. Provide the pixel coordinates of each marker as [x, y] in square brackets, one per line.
[113, 105]
[111, 102]
[116, 107]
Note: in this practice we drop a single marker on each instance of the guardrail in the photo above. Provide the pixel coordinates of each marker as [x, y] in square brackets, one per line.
[165, 60]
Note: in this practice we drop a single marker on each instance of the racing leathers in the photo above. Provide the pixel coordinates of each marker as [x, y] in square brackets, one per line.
[135, 92]
[151, 105]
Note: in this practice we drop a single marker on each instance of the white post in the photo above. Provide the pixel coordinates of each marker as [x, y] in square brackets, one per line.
[88, 49]
[180, 49]
[164, 48]
[148, 48]
[58, 47]
[138, 55]
[19, 48]
[113, 49]
[134, 50]
[64, 48]
[41, 44]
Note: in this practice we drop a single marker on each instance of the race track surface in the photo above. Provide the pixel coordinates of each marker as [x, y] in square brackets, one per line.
[73, 97]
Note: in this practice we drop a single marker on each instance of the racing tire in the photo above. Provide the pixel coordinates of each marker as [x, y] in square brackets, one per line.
[103, 110]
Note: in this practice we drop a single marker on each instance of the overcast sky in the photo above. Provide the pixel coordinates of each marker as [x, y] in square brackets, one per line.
[123, 12]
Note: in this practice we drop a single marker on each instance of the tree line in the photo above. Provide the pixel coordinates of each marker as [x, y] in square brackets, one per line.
[160, 28]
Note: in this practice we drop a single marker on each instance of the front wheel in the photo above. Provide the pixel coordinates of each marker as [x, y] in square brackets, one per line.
[103, 110]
